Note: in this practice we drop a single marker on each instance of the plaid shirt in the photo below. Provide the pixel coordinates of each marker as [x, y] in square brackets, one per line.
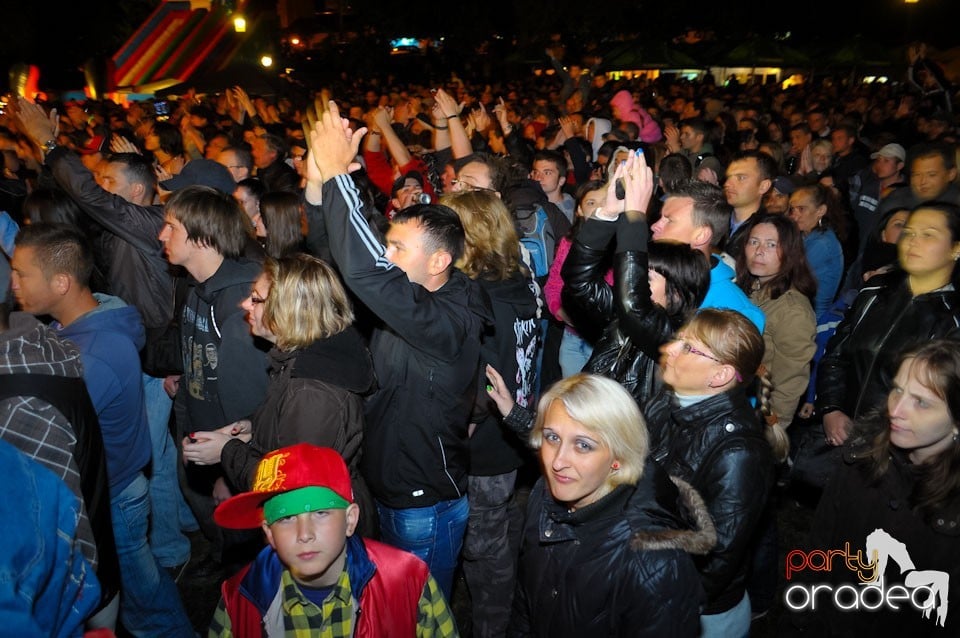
[335, 618]
[35, 427]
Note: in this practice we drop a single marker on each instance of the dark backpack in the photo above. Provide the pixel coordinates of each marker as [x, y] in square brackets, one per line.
[536, 235]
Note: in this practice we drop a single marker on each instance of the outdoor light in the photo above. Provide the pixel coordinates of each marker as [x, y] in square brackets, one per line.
[266, 61]
[294, 40]
[240, 24]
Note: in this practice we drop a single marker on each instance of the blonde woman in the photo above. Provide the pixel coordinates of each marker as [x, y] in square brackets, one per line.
[319, 371]
[608, 537]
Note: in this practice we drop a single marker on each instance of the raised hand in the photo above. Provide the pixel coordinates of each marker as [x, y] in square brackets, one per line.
[638, 183]
[120, 144]
[500, 111]
[35, 122]
[446, 104]
[333, 144]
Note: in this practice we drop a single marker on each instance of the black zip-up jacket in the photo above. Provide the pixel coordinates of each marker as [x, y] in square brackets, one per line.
[137, 271]
[618, 567]
[718, 446]
[886, 319]
[634, 328]
[426, 354]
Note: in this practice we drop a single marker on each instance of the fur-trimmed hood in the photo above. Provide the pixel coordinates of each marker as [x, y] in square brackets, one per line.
[699, 538]
[624, 565]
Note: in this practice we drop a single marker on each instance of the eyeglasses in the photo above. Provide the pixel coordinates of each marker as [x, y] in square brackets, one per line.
[687, 348]
[467, 186]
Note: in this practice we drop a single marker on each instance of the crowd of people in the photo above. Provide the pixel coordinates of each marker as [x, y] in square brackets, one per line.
[348, 337]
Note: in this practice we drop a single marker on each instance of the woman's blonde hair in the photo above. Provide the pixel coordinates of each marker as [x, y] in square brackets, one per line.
[492, 247]
[307, 302]
[604, 407]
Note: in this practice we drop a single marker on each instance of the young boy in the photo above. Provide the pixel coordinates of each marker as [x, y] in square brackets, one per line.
[316, 577]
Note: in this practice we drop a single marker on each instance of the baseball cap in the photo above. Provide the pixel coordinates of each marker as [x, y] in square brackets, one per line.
[202, 172]
[784, 185]
[95, 144]
[289, 481]
[891, 150]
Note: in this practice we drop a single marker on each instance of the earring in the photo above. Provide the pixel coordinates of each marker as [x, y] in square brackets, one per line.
[820, 222]
[956, 437]
[616, 464]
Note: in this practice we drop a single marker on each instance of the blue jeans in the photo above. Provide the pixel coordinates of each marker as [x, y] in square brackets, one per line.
[169, 544]
[150, 604]
[575, 351]
[733, 623]
[435, 534]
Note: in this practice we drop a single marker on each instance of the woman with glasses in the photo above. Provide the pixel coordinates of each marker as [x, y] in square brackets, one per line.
[704, 430]
[319, 371]
[773, 270]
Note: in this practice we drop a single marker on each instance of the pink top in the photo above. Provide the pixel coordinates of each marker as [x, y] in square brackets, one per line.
[554, 285]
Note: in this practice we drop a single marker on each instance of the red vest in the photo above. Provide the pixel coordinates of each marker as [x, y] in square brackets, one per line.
[388, 602]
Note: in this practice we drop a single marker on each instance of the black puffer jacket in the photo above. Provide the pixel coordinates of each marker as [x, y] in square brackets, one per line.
[718, 446]
[886, 319]
[634, 327]
[617, 567]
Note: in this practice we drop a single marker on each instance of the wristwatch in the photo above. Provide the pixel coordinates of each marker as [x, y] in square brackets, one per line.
[49, 145]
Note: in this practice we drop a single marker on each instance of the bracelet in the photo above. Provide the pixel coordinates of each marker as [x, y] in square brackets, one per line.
[450, 117]
[441, 128]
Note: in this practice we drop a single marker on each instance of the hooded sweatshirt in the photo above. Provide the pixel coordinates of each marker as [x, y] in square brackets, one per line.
[630, 111]
[225, 374]
[601, 127]
[510, 346]
[109, 338]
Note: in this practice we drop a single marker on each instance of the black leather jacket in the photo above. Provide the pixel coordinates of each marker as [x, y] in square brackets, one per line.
[886, 319]
[718, 446]
[618, 567]
[634, 327]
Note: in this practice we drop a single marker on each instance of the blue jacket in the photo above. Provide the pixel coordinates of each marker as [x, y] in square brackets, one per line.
[724, 293]
[47, 587]
[109, 338]
[826, 261]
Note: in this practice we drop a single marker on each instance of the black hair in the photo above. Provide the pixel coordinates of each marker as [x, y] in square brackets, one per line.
[442, 227]
[687, 276]
[170, 138]
[137, 169]
[59, 249]
[52, 205]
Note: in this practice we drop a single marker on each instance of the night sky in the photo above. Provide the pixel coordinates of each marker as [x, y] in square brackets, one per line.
[59, 35]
